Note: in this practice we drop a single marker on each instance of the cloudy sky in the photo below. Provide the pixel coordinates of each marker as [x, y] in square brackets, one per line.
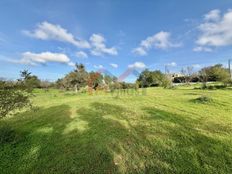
[48, 37]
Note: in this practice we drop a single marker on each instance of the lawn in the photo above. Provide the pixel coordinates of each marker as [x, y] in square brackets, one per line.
[161, 131]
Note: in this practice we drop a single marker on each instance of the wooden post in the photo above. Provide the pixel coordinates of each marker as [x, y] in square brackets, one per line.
[229, 68]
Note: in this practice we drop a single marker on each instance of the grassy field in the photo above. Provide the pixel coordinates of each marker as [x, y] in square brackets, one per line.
[163, 131]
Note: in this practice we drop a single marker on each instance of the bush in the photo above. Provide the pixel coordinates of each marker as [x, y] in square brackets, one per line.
[83, 90]
[166, 82]
[211, 87]
[227, 82]
[203, 99]
[11, 100]
[12, 97]
[114, 86]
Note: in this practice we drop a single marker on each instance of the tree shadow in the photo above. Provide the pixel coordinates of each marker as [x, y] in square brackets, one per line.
[49, 146]
[193, 150]
[162, 142]
[106, 138]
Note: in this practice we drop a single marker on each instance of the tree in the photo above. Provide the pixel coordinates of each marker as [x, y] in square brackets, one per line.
[60, 84]
[215, 73]
[95, 80]
[25, 74]
[188, 73]
[110, 79]
[203, 77]
[145, 78]
[45, 84]
[77, 78]
[28, 80]
[152, 78]
[158, 78]
[33, 82]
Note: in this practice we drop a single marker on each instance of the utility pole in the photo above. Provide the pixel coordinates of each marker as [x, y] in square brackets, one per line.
[166, 69]
[229, 68]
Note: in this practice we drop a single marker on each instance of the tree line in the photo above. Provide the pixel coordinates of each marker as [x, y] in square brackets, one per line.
[214, 73]
[16, 94]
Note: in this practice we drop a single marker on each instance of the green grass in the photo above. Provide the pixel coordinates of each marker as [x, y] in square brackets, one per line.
[163, 131]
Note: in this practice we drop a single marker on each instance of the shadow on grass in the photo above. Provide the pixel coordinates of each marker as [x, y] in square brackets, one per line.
[45, 147]
[106, 138]
[193, 150]
[160, 142]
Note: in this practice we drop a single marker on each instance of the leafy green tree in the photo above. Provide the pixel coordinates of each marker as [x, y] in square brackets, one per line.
[33, 82]
[215, 73]
[151, 78]
[145, 78]
[77, 78]
[28, 80]
[110, 79]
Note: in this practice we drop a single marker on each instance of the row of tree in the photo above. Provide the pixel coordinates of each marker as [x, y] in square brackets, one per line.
[16, 94]
[215, 73]
[30, 81]
[79, 79]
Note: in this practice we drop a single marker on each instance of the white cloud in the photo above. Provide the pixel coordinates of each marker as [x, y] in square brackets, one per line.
[139, 51]
[139, 65]
[213, 15]
[71, 64]
[46, 56]
[98, 66]
[42, 58]
[81, 54]
[114, 65]
[160, 40]
[172, 64]
[99, 48]
[48, 31]
[200, 48]
[216, 30]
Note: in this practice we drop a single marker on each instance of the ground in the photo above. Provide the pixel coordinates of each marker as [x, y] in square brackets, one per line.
[157, 131]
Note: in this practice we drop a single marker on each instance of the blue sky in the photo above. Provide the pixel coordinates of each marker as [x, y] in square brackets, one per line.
[47, 37]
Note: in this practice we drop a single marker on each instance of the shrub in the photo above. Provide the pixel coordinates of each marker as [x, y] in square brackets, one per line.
[166, 82]
[203, 99]
[211, 87]
[227, 82]
[12, 97]
[11, 100]
[83, 89]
